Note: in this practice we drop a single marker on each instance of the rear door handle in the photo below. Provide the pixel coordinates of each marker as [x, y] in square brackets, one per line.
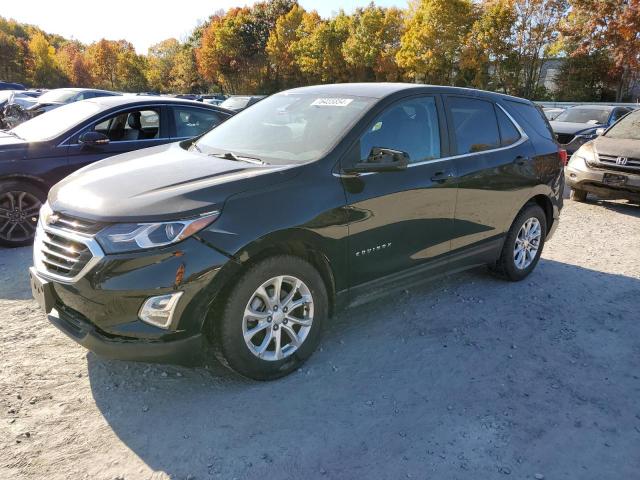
[441, 177]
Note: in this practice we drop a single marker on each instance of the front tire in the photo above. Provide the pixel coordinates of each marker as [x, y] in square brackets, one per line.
[523, 245]
[20, 204]
[272, 319]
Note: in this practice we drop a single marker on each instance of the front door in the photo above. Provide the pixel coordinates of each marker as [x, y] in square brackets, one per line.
[401, 219]
[128, 130]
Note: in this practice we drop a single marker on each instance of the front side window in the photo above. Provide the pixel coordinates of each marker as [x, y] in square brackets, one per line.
[131, 125]
[287, 127]
[475, 125]
[410, 126]
[191, 122]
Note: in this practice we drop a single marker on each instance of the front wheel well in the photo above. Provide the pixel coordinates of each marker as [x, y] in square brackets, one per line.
[33, 181]
[300, 249]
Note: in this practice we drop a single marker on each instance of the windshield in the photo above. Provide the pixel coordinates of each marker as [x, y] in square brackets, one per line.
[628, 127]
[287, 127]
[57, 96]
[55, 122]
[584, 115]
[234, 103]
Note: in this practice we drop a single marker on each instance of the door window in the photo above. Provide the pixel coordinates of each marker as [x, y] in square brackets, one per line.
[191, 122]
[131, 125]
[475, 125]
[410, 126]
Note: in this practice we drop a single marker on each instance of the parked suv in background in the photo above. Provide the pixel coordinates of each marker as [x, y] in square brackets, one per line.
[311, 200]
[577, 125]
[608, 167]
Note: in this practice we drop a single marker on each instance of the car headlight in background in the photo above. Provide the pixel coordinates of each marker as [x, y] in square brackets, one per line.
[588, 135]
[127, 237]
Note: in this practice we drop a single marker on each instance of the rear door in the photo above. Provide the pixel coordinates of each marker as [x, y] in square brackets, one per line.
[128, 129]
[492, 159]
[401, 219]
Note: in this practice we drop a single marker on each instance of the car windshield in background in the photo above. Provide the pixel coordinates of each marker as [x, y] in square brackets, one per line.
[627, 128]
[235, 103]
[584, 115]
[51, 124]
[57, 96]
[287, 128]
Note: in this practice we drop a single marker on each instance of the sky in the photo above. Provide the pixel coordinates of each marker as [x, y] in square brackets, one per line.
[143, 23]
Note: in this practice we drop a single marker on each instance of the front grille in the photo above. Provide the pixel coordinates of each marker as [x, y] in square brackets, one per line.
[564, 138]
[611, 163]
[65, 249]
[62, 255]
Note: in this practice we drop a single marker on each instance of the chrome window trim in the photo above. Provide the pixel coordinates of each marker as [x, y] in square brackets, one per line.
[89, 241]
[523, 138]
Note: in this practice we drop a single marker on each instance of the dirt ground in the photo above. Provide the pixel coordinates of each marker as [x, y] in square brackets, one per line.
[469, 377]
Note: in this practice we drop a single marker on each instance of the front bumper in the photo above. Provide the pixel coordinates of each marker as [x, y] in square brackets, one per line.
[100, 309]
[581, 176]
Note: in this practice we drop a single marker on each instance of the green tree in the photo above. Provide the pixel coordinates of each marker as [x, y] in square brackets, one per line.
[432, 42]
[12, 58]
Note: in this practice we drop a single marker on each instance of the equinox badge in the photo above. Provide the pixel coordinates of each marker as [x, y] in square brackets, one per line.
[377, 248]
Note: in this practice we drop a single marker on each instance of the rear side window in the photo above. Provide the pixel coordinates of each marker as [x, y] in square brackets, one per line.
[475, 125]
[529, 115]
[191, 122]
[509, 134]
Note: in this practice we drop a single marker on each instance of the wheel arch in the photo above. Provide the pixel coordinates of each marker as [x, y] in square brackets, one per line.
[30, 179]
[300, 243]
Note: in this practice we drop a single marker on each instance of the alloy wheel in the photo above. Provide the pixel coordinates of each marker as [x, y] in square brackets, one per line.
[527, 243]
[18, 215]
[278, 318]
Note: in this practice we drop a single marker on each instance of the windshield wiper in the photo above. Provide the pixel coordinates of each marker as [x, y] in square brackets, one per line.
[238, 158]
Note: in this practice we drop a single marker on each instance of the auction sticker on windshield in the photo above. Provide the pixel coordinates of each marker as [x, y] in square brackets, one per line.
[332, 102]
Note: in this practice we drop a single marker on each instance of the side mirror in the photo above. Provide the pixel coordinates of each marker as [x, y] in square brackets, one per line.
[93, 139]
[381, 160]
[600, 131]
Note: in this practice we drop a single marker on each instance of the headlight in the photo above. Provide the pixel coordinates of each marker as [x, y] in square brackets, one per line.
[588, 135]
[45, 213]
[585, 155]
[127, 237]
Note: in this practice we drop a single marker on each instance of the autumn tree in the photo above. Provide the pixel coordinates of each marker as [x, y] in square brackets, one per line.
[280, 48]
[162, 59]
[71, 61]
[43, 67]
[488, 55]
[432, 42]
[13, 52]
[373, 42]
[606, 28]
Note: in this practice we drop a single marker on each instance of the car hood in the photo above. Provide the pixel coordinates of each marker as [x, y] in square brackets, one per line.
[165, 182]
[10, 143]
[570, 127]
[617, 147]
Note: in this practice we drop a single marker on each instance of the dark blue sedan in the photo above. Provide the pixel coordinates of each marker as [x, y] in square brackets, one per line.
[40, 152]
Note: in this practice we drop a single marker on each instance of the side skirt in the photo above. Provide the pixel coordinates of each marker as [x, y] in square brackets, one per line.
[470, 257]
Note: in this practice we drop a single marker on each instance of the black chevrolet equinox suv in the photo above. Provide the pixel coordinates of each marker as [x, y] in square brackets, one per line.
[246, 239]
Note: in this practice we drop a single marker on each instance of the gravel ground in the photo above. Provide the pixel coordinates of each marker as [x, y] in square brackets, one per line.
[469, 377]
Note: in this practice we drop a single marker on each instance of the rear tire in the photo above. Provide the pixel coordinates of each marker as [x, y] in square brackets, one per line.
[299, 310]
[578, 195]
[20, 204]
[523, 245]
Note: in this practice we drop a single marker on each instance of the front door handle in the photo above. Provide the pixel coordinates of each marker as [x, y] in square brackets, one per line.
[441, 177]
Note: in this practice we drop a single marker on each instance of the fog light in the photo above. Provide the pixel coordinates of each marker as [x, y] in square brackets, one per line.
[158, 311]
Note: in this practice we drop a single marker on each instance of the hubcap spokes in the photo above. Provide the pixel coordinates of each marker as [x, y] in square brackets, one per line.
[18, 216]
[278, 318]
[527, 243]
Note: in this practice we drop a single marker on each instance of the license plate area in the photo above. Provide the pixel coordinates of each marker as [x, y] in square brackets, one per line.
[614, 179]
[42, 291]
